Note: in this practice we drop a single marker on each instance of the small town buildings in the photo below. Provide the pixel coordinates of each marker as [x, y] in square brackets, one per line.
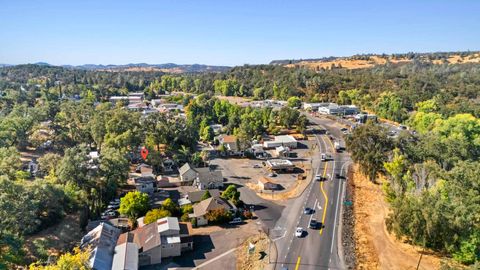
[280, 165]
[150, 248]
[350, 109]
[145, 183]
[332, 109]
[363, 118]
[231, 144]
[202, 208]
[127, 99]
[157, 102]
[265, 183]
[217, 128]
[126, 253]
[102, 241]
[258, 151]
[282, 140]
[170, 107]
[208, 178]
[282, 151]
[313, 106]
[162, 239]
[335, 109]
[196, 196]
[168, 165]
[187, 174]
[121, 223]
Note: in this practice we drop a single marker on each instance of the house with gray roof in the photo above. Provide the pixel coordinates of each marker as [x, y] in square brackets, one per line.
[102, 241]
[187, 174]
[126, 253]
[208, 178]
[201, 209]
[196, 196]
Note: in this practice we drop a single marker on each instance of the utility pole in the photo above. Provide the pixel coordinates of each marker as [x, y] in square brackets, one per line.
[269, 244]
[420, 259]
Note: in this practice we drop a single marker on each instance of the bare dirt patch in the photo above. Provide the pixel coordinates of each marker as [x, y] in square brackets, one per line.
[55, 239]
[375, 247]
[234, 100]
[352, 63]
[258, 259]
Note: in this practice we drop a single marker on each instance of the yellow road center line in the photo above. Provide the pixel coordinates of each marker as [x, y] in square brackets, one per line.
[298, 263]
[324, 195]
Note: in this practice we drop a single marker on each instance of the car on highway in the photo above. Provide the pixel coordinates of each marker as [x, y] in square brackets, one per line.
[324, 157]
[299, 232]
[313, 224]
[318, 177]
[308, 211]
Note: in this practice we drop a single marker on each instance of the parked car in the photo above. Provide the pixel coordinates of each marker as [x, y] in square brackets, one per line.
[272, 174]
[256, 166]
[236, 220]
[113, 206]
[299, 232]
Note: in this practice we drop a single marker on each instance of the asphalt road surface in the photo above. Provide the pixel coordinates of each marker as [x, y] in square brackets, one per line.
[317, 248]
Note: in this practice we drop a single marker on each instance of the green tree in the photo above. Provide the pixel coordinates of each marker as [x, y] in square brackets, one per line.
[231, 193]
[218, 216]
[390, 106]
[156, 214]
[48, 163]
[294, 102]
[206, 195]
[134, 204]
[77, 260]
[10, 161]
[170, 206]
[369, 146]
[207, 134]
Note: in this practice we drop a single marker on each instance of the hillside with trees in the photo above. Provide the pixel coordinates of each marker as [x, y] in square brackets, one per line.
[433, 175]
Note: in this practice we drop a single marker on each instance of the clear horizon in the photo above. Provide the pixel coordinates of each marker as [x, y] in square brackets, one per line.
[229, 34]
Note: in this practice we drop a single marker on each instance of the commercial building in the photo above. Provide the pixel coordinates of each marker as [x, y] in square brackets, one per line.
[283, 140]
[280, 165]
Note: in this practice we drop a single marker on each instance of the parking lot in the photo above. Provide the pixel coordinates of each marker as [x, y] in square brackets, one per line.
[247, 171]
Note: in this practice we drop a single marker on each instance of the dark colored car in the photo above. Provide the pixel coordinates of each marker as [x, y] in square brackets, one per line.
[308, 211]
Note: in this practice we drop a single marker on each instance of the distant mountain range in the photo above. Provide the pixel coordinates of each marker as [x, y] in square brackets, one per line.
[168, 67]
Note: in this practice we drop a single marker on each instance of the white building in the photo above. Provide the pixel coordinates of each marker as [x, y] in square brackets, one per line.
[283, 140]
[313, 106]
[335, 109]
[280, 165]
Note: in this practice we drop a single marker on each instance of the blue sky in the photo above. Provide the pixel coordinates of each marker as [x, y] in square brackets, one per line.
[229, 32]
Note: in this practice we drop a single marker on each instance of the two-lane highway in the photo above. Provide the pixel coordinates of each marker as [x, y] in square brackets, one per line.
[317, 248]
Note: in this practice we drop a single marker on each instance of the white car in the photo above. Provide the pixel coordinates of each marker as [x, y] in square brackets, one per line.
[318, 177]
[299, 232]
